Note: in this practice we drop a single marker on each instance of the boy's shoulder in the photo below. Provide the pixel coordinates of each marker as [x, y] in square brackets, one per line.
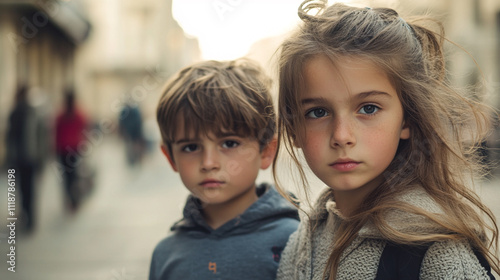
[175, 245]
[172, 240]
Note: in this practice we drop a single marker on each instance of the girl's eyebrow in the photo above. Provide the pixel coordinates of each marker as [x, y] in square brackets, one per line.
[319, 100]
[361, 95]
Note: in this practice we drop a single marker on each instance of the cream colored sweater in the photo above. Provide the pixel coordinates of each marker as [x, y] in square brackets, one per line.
[306, 253]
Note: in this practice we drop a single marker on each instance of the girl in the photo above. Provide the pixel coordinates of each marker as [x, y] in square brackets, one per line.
[363, 96]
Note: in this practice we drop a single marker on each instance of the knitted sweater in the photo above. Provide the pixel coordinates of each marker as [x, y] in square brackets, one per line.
[307, 252]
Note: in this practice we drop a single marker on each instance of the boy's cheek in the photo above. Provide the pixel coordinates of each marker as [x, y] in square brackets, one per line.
[234, 168]
[248, 152]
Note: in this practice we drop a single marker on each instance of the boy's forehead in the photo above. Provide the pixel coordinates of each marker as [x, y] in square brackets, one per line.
[191, 131]
[183, 130]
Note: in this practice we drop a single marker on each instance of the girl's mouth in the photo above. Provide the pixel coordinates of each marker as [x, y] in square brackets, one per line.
[345, 165]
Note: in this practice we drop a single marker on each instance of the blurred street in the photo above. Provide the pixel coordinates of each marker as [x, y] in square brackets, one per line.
[114, 232]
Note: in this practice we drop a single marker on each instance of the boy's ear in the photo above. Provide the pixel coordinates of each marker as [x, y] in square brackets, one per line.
[268, 153]
[169, 157]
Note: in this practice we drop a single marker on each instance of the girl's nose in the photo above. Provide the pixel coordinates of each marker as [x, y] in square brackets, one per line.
[342, 134]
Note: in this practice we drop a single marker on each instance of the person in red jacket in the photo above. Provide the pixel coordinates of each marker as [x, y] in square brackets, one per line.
[70, 125]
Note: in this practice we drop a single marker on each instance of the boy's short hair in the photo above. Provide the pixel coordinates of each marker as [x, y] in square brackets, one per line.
[218, 97]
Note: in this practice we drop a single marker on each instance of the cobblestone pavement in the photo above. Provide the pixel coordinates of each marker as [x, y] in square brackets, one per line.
[113, 234]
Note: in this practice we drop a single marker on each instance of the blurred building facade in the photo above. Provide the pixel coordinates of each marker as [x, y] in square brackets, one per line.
[38, 42]
[107, 51]
[474, 26]
[134, 47]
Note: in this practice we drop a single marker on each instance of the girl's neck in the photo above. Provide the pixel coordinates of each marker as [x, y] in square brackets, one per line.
[348, 201]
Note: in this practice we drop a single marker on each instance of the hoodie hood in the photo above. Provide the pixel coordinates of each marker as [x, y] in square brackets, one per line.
[270, 206]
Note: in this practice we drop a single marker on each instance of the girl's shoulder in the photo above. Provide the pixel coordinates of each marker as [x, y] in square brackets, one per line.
[407, 221]
[453, 259]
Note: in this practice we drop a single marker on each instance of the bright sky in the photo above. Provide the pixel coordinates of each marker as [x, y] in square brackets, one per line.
[226, 29]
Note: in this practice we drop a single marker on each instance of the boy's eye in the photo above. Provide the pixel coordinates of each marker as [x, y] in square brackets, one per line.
[230, 144]
[369, 109]
[190, 148]
[316, 113]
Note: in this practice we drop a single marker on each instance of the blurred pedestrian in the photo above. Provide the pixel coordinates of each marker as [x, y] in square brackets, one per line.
[131, 129]
[70, 125]
[26, 150]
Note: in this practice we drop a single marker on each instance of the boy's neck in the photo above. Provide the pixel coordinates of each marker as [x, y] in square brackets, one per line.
[217, 215]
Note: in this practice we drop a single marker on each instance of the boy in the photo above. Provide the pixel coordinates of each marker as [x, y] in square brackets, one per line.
[218, 124]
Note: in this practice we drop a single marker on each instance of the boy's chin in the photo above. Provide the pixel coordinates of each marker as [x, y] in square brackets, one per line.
[210, 196]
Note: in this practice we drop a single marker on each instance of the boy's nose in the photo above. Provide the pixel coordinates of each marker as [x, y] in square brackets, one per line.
[210, 160]
[342, 134]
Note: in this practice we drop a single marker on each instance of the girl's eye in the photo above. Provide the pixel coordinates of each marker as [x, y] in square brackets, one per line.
[316, 113]
[230, 144]
[190, 148]
[369, 109]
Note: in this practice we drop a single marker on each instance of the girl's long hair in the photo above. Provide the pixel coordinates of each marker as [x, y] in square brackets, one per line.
[446, 125]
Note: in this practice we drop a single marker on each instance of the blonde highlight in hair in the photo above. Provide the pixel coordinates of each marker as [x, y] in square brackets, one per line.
[220, 97]
[446, 125]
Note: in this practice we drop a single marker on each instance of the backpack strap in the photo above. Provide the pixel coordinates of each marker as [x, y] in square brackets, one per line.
[401, 262]
[482, 260]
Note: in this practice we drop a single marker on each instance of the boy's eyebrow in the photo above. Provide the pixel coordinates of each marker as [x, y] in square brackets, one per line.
[227, 134]
[222, 134]
[361, 95]
[184, 140]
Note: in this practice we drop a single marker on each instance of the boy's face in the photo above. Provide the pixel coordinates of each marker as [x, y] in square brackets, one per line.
[218, 169]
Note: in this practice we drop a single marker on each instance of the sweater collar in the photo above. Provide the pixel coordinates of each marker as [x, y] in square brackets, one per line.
[326, 211]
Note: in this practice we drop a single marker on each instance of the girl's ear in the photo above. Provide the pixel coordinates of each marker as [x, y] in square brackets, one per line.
[405, 131]
[169, 157]
[268, 153]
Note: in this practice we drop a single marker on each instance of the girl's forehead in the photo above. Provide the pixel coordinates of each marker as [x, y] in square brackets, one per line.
[343, 63]
[344, 74]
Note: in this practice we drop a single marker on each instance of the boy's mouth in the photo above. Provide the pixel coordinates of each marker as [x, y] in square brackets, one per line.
[211, 183]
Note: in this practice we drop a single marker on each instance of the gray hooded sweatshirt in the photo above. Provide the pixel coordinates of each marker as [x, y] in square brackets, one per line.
[247, 247]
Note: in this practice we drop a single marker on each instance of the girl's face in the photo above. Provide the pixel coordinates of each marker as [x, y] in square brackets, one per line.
[353, 124]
